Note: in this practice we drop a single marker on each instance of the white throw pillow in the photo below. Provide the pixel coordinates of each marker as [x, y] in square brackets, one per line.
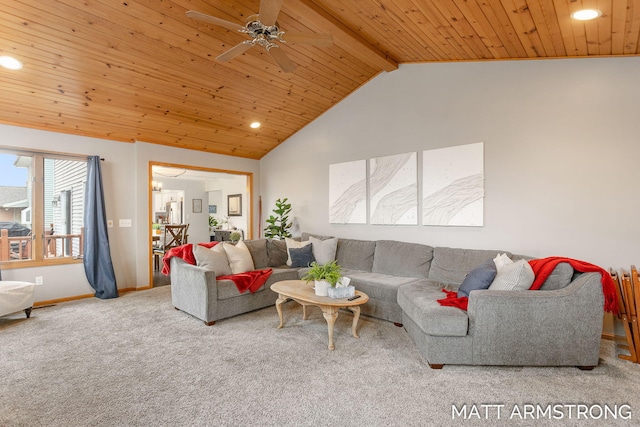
[239, 257]
[214, 259]
[294, 244]
[324, 251]
[501, 260]
[514, 277]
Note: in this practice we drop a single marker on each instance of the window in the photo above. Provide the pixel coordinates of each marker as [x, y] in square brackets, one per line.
[41, 208]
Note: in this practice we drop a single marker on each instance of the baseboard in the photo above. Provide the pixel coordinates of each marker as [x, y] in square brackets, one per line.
[77, 297]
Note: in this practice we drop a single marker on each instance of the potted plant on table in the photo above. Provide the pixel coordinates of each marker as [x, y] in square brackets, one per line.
[213, 223]
[235, 236]
[325, 276]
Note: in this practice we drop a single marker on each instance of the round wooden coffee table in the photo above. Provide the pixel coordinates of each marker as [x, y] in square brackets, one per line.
[303, 293]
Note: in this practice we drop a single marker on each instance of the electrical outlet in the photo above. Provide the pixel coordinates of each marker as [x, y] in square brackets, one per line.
[39, 280]
[125, 223]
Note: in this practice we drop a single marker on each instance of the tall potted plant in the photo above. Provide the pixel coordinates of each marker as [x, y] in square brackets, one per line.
[279, 224]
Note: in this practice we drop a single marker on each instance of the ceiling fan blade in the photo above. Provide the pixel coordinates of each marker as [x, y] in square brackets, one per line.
[269, 10]
[213, 20]
[308, 38]
[282, 59]
[238, 49]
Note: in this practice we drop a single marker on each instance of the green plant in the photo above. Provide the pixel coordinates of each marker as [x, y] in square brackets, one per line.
[235, 236]
[279, 223]
[331, 272]
[213, 222]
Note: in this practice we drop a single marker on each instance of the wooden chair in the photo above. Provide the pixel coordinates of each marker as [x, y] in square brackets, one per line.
[173, 236]
[627, 314]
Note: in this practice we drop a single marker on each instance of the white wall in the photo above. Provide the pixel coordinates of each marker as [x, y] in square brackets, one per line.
[561, 153]
[125, 177]
[232, 185]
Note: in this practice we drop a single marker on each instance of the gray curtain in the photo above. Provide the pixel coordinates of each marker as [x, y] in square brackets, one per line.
[97, 256]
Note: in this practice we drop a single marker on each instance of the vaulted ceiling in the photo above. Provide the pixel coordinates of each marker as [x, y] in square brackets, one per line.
[141, 70]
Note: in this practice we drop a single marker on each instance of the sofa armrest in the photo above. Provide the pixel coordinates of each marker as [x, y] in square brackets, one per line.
[559, 327]
[194, 290]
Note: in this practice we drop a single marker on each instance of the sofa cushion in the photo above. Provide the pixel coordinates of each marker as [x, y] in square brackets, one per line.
[212, 259]
[451, 265]
[480, 277]
[293, 244]
[356, 254]
[239, 257]
[228, 289]
[324, 251]
[378, 286]
[560, 277]
[419, 301]
[513, 277]
[258, 249]
[302, 257]
[402, 259]
[277, 252]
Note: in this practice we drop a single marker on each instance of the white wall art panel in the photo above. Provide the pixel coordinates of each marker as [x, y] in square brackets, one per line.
[393, 183]
[348, 192]
[453, 186]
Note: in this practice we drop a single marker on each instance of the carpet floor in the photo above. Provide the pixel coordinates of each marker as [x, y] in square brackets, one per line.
[135, 361]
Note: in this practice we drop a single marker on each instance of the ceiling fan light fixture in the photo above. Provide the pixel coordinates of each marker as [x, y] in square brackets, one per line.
[255, 125]
[264, 31]
[586, 14]
[10, 63]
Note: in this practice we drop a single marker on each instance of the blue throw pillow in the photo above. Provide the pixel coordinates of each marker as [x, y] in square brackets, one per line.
[302, 257]
[478, 278]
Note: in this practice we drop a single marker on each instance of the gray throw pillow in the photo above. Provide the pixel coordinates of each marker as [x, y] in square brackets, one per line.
[258, 249]
[277, 251]
[302, 257]
[478, 278]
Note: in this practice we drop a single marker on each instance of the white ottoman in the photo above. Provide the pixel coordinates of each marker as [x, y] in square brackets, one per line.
[16, 296]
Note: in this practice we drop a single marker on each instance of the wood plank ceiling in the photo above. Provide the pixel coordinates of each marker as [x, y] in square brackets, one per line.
[141, 70]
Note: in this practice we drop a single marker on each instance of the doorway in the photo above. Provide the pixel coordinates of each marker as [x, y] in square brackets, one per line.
[187, 191]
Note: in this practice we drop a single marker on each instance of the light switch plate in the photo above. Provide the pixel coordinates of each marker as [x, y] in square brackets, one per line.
[125, 223]
[109, 223]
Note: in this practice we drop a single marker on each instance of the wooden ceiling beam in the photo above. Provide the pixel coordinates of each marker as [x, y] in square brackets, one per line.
[343, 36]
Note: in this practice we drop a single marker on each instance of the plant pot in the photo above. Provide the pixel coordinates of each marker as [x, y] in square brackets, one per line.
[322, 288]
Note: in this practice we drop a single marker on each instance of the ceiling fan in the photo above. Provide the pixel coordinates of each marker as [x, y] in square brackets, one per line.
[264, 31]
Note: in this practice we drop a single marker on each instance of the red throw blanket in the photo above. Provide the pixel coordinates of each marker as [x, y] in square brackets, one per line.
[251, 280]
[184, 252]
[542, 268]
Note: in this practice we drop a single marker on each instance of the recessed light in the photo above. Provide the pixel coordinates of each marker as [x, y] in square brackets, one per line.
[586, 14]
[10, 62]
[255, 125]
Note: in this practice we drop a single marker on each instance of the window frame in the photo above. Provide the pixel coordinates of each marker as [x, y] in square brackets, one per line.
[38, 227]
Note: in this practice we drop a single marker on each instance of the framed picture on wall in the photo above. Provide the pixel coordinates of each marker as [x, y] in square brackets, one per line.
[197, 206]
[213, 209]
[234, 205]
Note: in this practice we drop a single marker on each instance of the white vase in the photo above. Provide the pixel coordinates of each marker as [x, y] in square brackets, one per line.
[322, 288]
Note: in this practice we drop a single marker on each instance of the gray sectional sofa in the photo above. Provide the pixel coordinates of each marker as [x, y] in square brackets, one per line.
[558, 325]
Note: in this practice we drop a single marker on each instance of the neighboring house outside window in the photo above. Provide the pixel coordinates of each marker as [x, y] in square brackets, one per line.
[42, 199]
